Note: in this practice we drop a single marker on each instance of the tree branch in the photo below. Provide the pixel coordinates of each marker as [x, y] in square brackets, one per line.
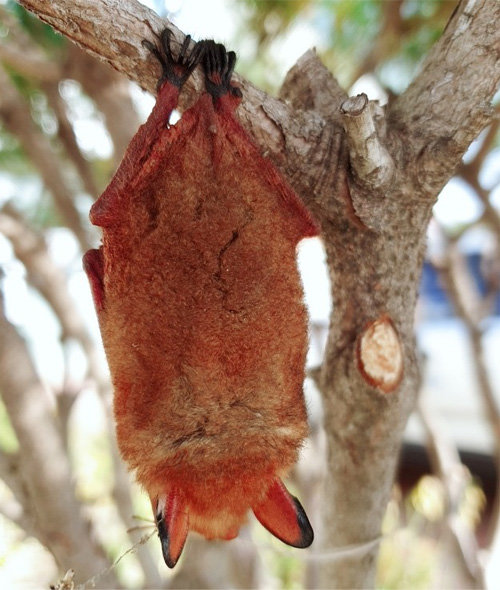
[18, 51]
[67, 137]
[470, 171]
[30, 248]
[17, 118]
[44, 464]
[88, 25]
[448, 103]
[110, 92]
[310, 86]
[462, 544]
[370, 161]
[115, 36]
[18, 510]
[467, 302]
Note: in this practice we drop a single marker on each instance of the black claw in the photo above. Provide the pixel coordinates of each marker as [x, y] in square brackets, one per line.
[218, 65]
[176, 71]
[230, 63]
[165, 36]
[150, 47]
[195, 56]
[183, 57]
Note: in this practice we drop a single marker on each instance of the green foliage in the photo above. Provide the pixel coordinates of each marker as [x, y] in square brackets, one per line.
[407, 561]
[273, 17]
[351, 21]
[43, 213]
[411, 552]
[92, 465]
[286, 565]
[354, 36]
[42, 33]
[12, 157]
[8, 439]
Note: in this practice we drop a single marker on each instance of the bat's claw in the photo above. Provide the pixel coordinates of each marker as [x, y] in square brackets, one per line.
[218, 65]
[175, 70]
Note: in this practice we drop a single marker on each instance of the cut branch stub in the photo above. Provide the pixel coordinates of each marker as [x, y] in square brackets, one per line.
[370, 161]
[380, 355]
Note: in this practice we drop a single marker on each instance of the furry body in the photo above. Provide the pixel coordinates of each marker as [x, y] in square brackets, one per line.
[201, 314]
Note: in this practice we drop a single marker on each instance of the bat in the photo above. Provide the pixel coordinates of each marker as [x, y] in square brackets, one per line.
[201, 312]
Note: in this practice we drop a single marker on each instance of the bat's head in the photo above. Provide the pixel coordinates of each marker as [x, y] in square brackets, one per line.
[277, 510]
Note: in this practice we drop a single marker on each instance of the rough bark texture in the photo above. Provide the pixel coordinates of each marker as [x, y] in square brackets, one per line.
[370, 177]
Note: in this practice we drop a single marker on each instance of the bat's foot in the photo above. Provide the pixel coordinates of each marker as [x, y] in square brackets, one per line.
[218, 65]
[175, 70]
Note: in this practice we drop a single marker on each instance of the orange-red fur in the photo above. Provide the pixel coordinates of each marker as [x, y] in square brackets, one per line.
[201, 313]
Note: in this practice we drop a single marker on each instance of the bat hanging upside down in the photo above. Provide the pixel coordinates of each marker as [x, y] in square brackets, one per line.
[200, 309]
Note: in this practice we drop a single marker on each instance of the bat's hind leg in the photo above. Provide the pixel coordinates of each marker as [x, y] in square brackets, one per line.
[109, 209]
